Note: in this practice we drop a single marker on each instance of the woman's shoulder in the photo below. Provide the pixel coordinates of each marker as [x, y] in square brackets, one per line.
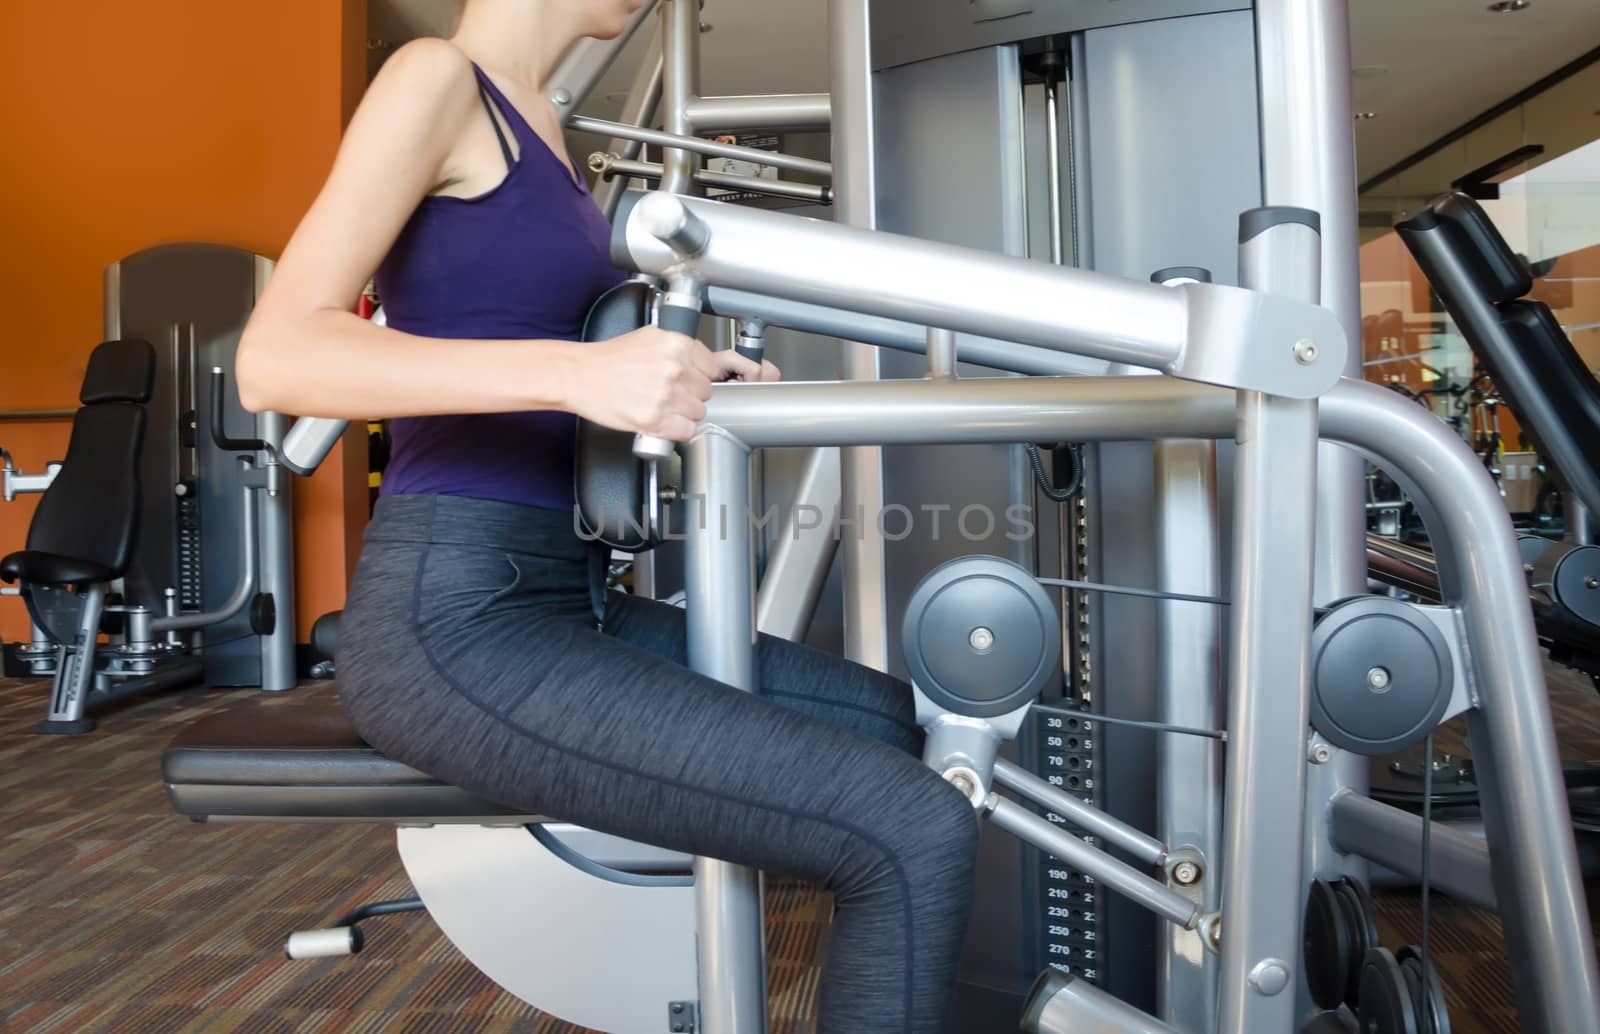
[427, 67]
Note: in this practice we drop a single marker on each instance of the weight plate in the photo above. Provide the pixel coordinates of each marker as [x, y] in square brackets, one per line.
[1381, 675]
[1576, 582]
[1331, 963]
[1436, 1008]
[981, 637]
[1386, 1005]
[1361, 916]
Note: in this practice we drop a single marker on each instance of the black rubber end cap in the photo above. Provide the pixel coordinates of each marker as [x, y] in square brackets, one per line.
[1199, 273]
[77, 728]
[1049, 984]
[619, 229]
[1257, 221]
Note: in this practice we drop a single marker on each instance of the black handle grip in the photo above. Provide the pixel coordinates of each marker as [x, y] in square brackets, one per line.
[679, 319]
[219, 435]
[755, 355]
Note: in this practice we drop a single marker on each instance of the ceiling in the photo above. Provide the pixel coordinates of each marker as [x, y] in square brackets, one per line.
[1423, 67]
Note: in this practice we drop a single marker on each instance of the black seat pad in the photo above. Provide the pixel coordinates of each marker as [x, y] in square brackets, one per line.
[303, 761]
[42, 568]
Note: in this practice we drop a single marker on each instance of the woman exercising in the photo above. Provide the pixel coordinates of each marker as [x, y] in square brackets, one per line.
[469, 647]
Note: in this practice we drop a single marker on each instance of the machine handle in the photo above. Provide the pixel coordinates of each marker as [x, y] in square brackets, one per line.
[680, 319]
[219, 415]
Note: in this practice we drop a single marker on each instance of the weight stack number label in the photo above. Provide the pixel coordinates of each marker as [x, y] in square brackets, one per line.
[1070, 924]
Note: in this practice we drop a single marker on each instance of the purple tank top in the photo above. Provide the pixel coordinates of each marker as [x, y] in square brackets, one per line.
[522, 261]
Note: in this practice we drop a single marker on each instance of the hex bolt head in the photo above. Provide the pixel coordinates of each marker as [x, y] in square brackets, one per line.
[562, 96]
[1320, 754]
[1379, 679]
[1186, 874]
[1305, 352]
[1591, 582]
[981, 639]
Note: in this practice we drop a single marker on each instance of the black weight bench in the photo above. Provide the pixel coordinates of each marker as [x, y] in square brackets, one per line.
[305, 763]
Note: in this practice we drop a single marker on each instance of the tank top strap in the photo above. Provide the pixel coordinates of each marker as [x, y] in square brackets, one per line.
[520, 130]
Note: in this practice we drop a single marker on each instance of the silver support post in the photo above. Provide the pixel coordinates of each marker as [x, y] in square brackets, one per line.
[1189, 693]
[800, 561]
[941, 353]
[680, 28]
[644, 100]
[1308, 160]
[277, 562]
[721, 641]
[1269, 653]
[855, 193]
[1577, 522]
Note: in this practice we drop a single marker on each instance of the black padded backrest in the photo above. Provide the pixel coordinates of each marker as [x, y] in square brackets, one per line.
[119, 371]
[1534, 366]
[90, 511]
[1496, 271]
[610, 483]
[1571, 389]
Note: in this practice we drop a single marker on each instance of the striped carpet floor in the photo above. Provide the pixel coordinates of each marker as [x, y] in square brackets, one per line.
[116, 915]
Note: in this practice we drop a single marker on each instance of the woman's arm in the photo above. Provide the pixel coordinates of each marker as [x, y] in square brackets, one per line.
[305, 352]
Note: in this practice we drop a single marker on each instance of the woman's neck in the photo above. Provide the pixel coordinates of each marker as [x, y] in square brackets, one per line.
[521, 39]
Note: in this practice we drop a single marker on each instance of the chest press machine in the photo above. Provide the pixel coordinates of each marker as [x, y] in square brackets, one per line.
[1260, 364]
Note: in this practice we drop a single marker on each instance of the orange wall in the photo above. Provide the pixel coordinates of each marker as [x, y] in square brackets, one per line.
[131, 125]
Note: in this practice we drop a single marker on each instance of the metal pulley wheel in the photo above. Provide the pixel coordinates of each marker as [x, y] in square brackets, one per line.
[1381, 675]
[981, 637]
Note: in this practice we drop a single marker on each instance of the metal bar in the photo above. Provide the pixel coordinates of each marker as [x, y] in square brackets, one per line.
[854, 137]
[644, 100]
[671, 143]
[24, 416]
[1052, 158]
[941, 353]
[1523, 793]
[773, 112]
[582, 66]
[1088, 818]
[680, 27]
[1404, 567]
[277, 563]
[897, 334]
[798, 569]
[988, 409]
[243, 590]
[1189, 693]
[1117, 875]
[612, 167]
[1078, 127]
[1067, 1004]
[1458, 863]
[721, 642]
[1207, 332]
[1308, 160]
[1525, 811]
[1269, 699]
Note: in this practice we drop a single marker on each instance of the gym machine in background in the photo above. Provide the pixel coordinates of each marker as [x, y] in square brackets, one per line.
[206, 580]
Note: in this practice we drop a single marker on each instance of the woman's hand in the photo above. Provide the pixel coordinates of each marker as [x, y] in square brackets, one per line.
[736, 367]
[654, 382]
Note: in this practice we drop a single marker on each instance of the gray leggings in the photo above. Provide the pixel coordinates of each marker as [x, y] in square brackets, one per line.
[468, 650]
